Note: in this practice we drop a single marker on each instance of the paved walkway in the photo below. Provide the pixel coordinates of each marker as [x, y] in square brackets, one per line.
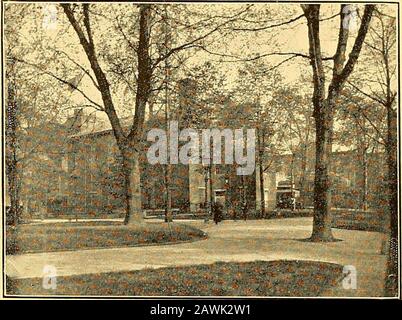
[228, 241]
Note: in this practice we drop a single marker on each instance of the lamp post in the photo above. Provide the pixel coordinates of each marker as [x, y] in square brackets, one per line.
[244, 197]
[206, 202]
[227, 194]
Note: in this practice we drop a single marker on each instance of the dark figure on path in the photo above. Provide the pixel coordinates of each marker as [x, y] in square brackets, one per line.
[244, 210]
[233, 213]
[217, 212]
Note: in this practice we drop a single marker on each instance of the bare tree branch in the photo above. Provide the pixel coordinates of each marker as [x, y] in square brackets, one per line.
[79, 66]
[198, 39]
[354, 54]
[372, 97]
[270, 26]
[130, 44]
[71, 85]
[89, 49]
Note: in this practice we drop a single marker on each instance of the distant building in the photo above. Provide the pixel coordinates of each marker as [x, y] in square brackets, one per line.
[347, 174]
[87, 177]
[96, 183]
[44, 184]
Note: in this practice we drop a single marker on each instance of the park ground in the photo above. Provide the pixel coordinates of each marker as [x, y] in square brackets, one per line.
[239, 242]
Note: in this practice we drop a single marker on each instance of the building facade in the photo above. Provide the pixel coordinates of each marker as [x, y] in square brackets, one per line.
[96, 182]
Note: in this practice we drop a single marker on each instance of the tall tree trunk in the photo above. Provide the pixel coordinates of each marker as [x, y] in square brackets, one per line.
[12, 145]
[131, 171]
[168, 197]
[365, 181]
[302, 182]
[322, 184]
[14, 187]
[322, 217]
[211, 190]
[324, 106]
[131, 143]
[167, 167]
[244, 197]
[292, 180]
[261, 171]
[391, 284]
[206, 179]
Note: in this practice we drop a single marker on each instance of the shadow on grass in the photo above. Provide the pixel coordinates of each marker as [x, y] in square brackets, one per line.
[258, 278]
[99, 234]
[319, 241]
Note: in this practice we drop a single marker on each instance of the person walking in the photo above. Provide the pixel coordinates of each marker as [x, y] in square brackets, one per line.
[217, 211]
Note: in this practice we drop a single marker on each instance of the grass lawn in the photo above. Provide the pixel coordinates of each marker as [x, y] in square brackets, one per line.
[258, 278]
[94, 234]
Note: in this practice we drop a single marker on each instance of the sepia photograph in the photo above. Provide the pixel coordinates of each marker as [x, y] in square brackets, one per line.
[200, 150]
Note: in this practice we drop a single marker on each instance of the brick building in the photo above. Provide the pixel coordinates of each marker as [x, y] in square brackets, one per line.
[96, 183]
[350, 178]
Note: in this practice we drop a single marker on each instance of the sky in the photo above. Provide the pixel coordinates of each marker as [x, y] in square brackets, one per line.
[289, 38]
